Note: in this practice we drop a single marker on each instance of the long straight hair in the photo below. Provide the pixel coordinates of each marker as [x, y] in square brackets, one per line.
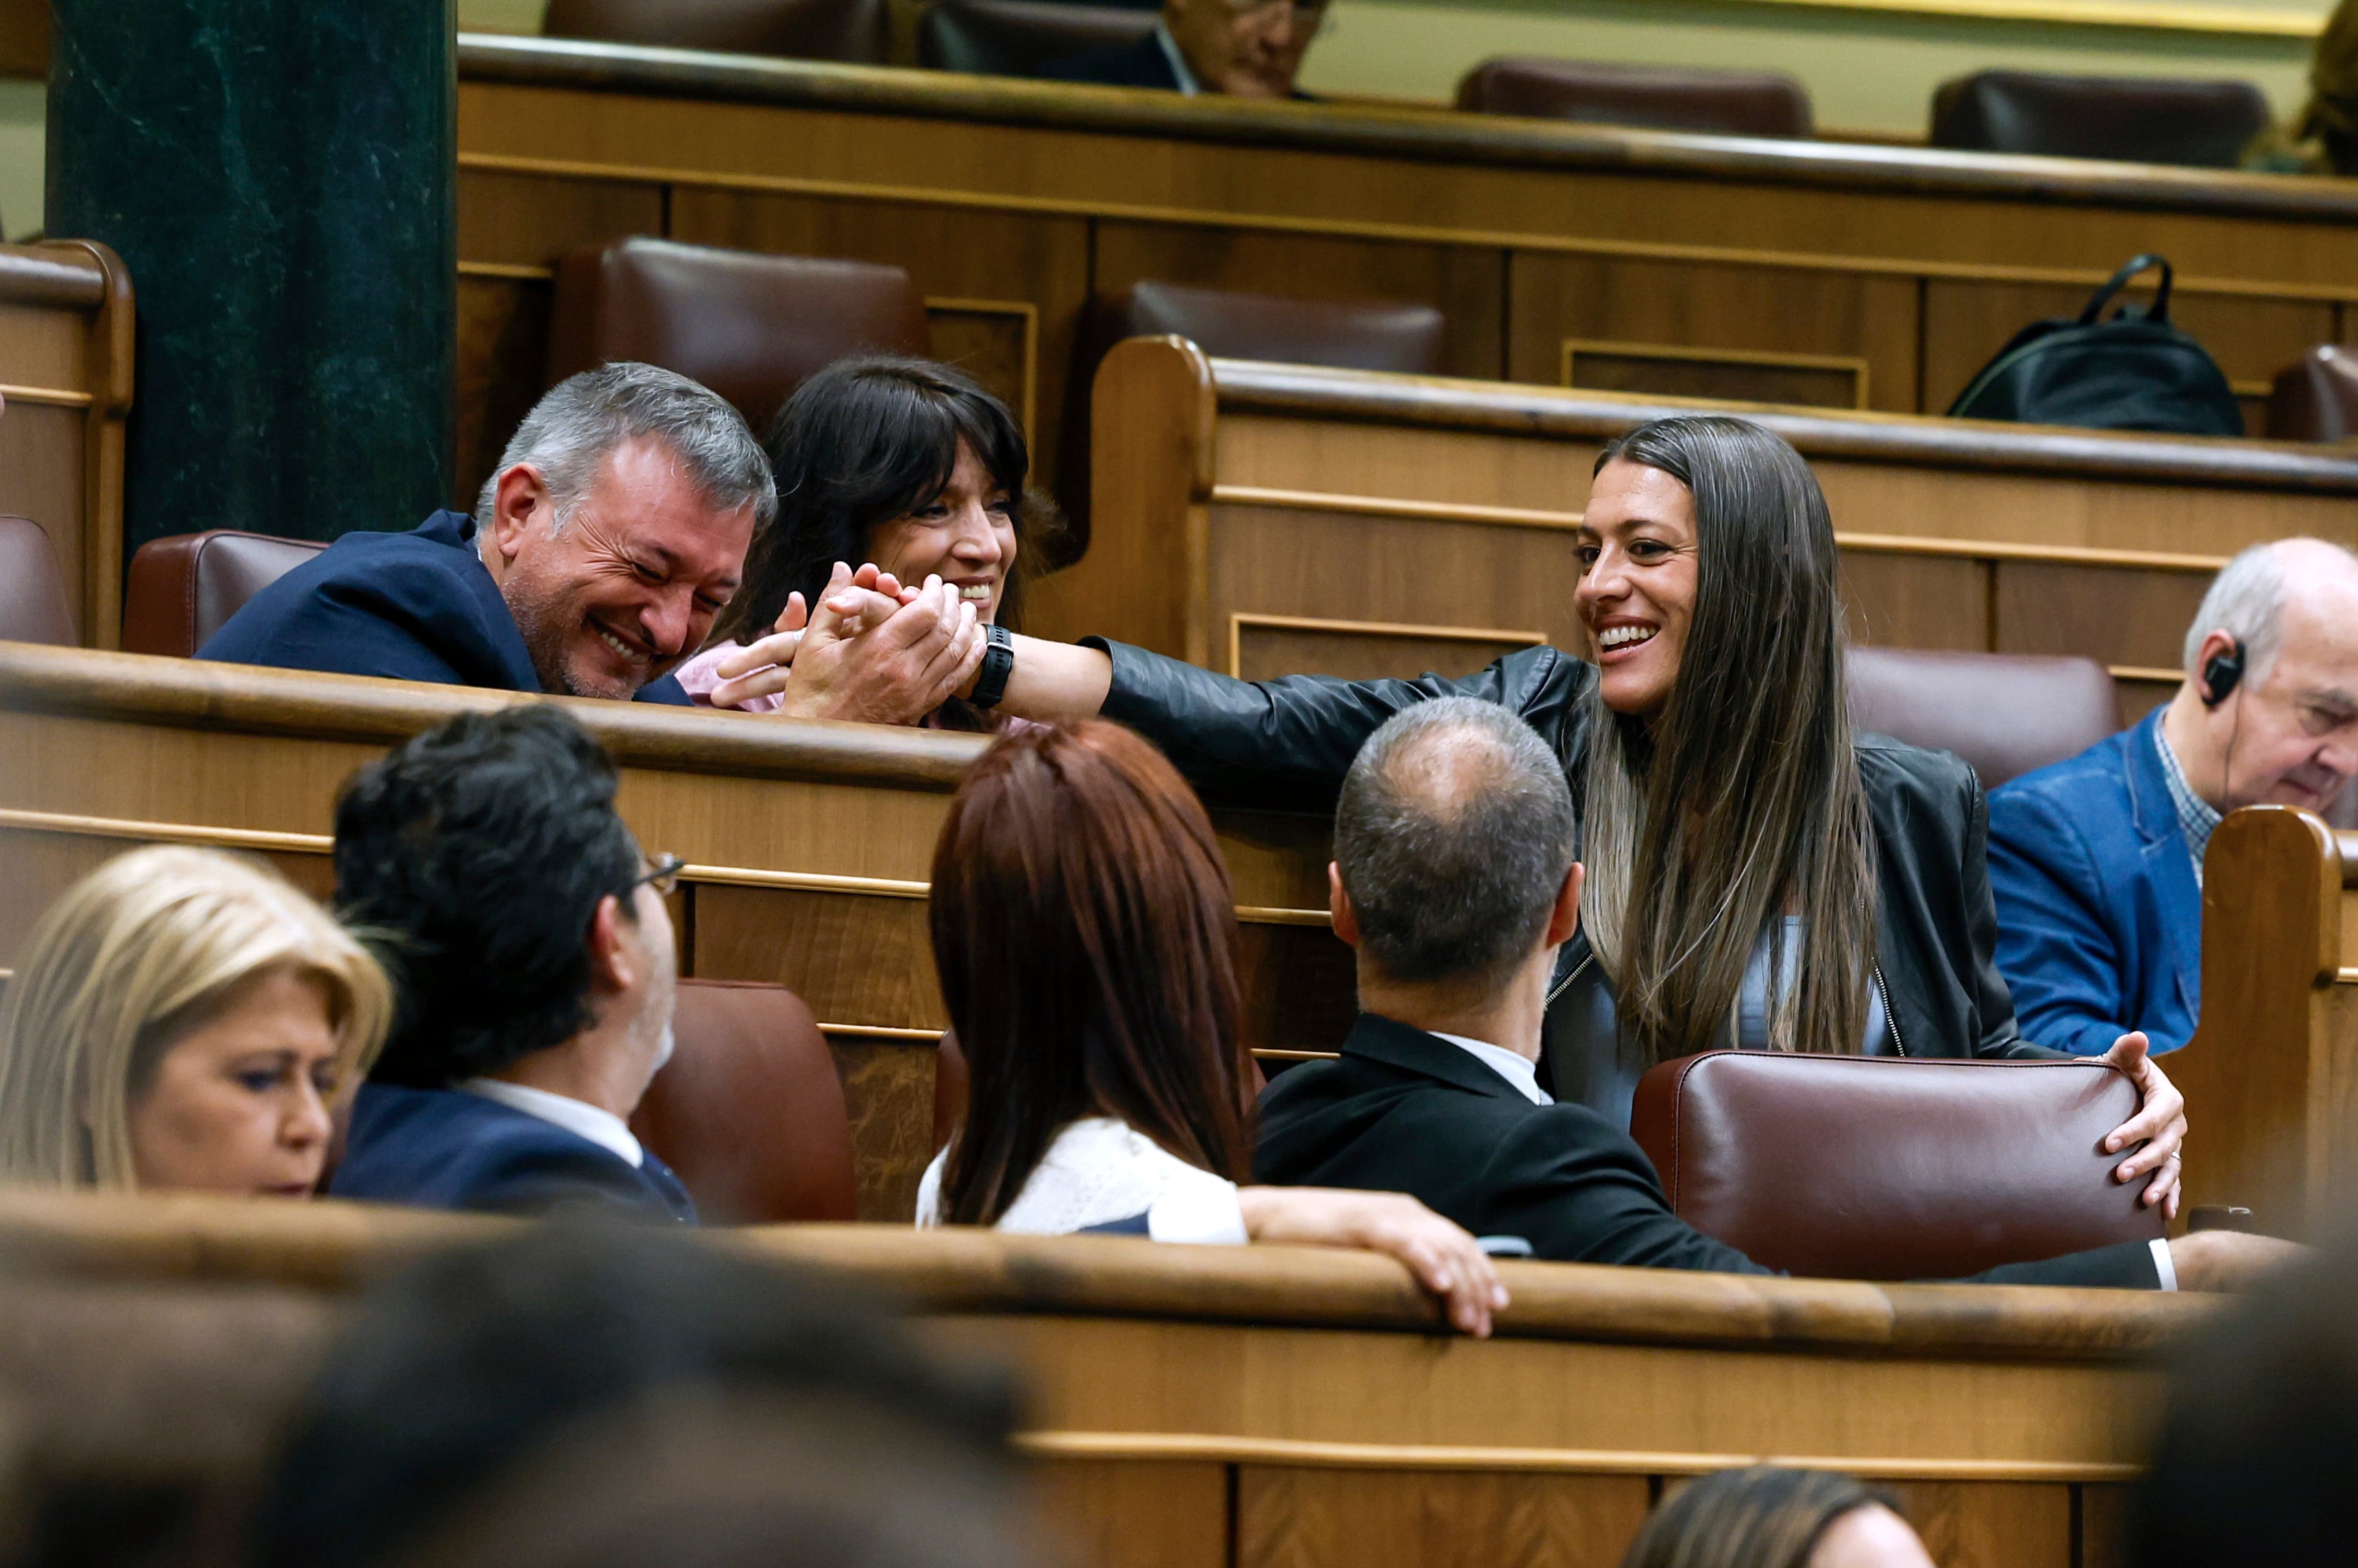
[1084, 934]
[1742, 797]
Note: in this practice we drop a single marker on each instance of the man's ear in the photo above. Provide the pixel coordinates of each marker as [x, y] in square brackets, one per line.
[613, 957]
[520, 503]
[1565, 918]
[1338, 904]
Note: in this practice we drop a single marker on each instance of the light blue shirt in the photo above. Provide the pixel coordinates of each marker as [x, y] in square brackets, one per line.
[1171, 51]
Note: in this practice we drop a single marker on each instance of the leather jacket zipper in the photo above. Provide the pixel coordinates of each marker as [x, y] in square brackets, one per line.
[1890, 1018]
[1565, 984]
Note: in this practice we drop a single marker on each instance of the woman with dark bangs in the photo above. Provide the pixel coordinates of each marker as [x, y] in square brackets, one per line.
[909, 473]
[1084, 933]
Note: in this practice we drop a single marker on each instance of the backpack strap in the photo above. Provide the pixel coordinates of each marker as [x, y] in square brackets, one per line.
[2157, 311]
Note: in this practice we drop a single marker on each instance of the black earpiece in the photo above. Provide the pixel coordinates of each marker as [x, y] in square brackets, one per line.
[2222, 672]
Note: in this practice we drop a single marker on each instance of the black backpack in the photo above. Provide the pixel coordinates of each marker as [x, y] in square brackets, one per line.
[2136, 372]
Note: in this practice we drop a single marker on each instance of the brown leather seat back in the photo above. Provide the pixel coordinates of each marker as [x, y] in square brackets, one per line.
[749, 1111]
[856, 30]
[1369, 334]
[2316, 399]
[184, 588]
[2202, 123]
[1876, 1168]
[749, 326]
[33, 603]
[2003, 713]
[1017, 37]
[1662, 98]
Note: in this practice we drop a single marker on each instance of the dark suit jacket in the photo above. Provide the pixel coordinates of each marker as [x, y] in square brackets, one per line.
[1405, 1111]
[450, 1149]
[416, 606]
[1139, 64]
[2099, 916]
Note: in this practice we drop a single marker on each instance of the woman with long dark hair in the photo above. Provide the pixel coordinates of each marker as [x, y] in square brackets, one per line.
[1758, 874]
[1772, 1517]
[909, 470]
[1084, 934]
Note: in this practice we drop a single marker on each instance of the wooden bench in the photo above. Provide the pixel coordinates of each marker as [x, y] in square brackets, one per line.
[1203, 1407]
[1267, 519]
[1616, 260]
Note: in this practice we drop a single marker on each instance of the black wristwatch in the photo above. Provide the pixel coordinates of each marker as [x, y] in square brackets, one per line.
[998, 663]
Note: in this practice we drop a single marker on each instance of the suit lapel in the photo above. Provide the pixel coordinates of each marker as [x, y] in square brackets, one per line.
[1397, 1044]
[2161, 840]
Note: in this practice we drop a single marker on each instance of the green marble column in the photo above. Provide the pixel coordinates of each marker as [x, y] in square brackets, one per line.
[278, 177]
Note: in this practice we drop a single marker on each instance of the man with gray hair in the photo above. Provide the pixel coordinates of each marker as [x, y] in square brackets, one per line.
[1455, 879]
[613, 533]
[2096, 861]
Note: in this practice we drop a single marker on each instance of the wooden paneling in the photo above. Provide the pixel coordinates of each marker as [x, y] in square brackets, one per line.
[2103, 1526]
[1121, 1514]
[888, 1092]
[1289, 1518]
[2118, 614]
[1264, 647]
[1918, 601]
[1733, 310]
[1990, 1525]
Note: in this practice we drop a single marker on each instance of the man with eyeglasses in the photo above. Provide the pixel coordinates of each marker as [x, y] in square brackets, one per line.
[1244, 49]
[534, 969]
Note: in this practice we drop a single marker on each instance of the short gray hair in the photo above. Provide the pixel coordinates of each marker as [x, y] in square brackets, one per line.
[1454, 833]
[583, 419]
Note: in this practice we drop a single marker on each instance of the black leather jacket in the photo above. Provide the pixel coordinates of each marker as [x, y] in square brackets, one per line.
[1285, 745]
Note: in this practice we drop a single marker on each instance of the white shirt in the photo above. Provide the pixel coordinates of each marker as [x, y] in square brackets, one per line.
[1519, 1070]
[1523, 1073]
[579, 1118]
[1099, 1171]
[1178, 59]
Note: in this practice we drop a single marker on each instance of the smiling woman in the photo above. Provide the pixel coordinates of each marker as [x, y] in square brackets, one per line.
[184, 1021]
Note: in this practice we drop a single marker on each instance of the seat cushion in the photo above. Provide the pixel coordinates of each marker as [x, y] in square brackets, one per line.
[855, 30]
[2137, 120]
[2003, 713]
[1017, 37]
[750, 326]
[750, 1111]
[1354, 334]
[2316, 398]
[1663, 98]
[1875, 1168]
[33, 606]
[183, 588]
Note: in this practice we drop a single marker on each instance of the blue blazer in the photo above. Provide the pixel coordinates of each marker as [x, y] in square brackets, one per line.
[2099, 916]
[416, 606]
[448, 1148]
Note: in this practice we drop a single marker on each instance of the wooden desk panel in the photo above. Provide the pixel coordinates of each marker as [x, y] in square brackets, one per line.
[1262, 519]
[1821, 274]
[1299, 1404]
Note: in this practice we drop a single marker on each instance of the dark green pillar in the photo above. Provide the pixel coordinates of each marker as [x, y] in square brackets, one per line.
[278, 177]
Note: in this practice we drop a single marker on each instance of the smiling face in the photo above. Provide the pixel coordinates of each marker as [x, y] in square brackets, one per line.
[1639, 572]
[239, 1104]
[629, 585]
[966, 535]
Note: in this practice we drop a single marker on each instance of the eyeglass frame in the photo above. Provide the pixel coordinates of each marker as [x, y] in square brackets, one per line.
[662, 874]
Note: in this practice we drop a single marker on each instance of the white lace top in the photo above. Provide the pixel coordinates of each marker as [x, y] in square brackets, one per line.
[1099, 1171]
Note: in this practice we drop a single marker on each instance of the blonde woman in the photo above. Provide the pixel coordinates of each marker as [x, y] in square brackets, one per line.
[183, 1021]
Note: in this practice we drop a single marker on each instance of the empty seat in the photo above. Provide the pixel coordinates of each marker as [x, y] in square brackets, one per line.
[857, 30]
[2137, 120]
[1876, 1168]
[1663, 98]
[749, 1111]
[2316, 399]
[33, 603]
[2003, 713]
[1017, 37]
[750, 326]
[185, 587]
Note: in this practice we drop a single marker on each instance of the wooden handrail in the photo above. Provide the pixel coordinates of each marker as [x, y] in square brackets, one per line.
[250, 699]
[1508, 408]
[1436, 134]
[336, 1245]
[52, 274]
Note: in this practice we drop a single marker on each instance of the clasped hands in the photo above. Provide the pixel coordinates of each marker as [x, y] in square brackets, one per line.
[871, 650]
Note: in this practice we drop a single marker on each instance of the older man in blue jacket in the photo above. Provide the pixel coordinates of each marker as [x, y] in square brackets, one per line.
[2097, 861]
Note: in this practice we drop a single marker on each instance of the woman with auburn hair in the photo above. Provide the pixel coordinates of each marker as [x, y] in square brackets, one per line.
[1770, 1517]
[1759, 874]
[1084, 934]
[184, 1021]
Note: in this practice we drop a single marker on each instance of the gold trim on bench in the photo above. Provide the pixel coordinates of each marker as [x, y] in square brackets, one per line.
[2053, 555]
[1856, 366]
[1158, 1446]
[514, 272]
[1391, 506]
[1029, 315]
[881, 1032]
[1240, 619]
[2146, 671]
[52, 397]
